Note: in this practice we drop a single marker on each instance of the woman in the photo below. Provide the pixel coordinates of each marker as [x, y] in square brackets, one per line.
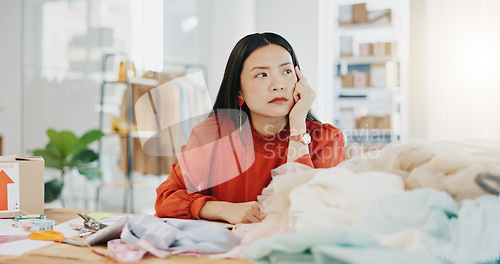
[262, 79]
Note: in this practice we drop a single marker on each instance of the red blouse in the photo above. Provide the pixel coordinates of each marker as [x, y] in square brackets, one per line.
[182, 195]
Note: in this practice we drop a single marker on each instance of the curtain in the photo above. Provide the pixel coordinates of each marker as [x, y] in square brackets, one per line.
[463, 69]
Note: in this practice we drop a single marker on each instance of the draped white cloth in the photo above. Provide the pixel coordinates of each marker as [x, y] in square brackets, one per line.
[301, 199]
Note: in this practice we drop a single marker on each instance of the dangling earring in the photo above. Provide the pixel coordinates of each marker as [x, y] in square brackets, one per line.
[240, 103]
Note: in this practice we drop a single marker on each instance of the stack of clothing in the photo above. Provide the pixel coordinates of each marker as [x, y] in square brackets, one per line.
[409, 202]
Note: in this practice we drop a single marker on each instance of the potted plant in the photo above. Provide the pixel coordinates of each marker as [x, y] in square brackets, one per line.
[65, 151]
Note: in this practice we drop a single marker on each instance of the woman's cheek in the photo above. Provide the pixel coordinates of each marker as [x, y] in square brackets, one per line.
[292, 104]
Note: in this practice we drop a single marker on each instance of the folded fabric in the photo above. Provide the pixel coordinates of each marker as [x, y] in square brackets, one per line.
[478, 228]
[275, 202]
[430, 220]
[330, 245]
[366, 196]
[421, 219]
[334, 196]
[190, 235]
[305, 199]
[449, 166]
[418, 226]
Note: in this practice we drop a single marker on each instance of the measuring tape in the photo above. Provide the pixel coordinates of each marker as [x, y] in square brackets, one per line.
[121, 251]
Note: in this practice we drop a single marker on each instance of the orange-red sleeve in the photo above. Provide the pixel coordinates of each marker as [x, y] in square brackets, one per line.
[184, 192]
[173, 200]
[306, 160]
[326, 149]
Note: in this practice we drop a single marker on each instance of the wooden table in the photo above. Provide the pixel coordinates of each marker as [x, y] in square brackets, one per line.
[67, 254]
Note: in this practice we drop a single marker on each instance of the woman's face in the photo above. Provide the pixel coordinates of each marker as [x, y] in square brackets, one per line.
[267, 82]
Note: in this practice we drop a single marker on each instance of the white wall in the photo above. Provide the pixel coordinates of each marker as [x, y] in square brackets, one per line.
[418, 123]
[179, 46]
[222, 23]
[10, 74]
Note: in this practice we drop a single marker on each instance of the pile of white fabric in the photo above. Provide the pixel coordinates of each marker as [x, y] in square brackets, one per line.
[444, 165]
[302, 199]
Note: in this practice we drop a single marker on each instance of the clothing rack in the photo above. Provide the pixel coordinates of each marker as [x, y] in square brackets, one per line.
[128, 203]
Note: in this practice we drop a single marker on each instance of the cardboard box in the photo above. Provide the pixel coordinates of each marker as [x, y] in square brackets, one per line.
[346, 47]
[366, 122]
[361, 79]
[382, 49]
[21, 186]
[365, 49]
[377, 75]
[384, 122]
[359, 14]
[345, 15]
[348, 80]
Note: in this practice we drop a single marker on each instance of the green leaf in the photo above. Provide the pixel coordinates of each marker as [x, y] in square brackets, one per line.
[64, 141]
[88, 138]
[84, 156]
[91, 173]
[53, 190]
[66, 150]
[51, 157]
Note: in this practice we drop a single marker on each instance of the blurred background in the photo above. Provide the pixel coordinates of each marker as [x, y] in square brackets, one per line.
[383, 70]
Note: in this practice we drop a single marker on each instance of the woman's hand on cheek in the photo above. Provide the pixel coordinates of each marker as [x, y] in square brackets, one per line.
[303, 96]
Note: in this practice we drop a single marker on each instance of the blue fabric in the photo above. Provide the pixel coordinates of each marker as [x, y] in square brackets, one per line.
[332, 245]
[187, 235]
[468, 232]
[471, 227]
[432, 212]
[478, 228]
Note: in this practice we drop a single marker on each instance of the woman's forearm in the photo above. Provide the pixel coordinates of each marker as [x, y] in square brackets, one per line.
[233, 213]
[213, 210]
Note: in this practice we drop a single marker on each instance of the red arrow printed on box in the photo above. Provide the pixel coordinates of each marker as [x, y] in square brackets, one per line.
[4, 180]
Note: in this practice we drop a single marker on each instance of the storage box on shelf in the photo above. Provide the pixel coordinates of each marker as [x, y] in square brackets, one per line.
[353, 14]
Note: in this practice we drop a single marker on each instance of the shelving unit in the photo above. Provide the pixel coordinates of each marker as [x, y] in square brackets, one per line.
[361, 109]
[366, 25]
[104, 105]
[365, 60]
[125, 85]
[129, 85]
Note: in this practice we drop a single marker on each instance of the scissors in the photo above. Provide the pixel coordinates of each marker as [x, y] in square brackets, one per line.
[51, 235]
[47, 235]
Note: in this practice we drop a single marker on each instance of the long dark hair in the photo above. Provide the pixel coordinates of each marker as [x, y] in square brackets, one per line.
[227, 98]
